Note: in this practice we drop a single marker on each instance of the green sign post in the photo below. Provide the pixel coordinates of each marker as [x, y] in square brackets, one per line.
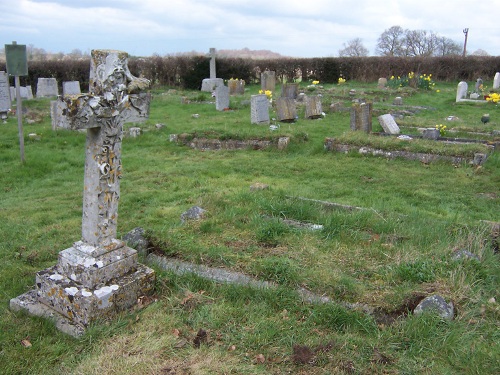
[17, 65]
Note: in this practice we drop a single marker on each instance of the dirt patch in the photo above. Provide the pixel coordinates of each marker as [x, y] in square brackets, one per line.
[385, 317]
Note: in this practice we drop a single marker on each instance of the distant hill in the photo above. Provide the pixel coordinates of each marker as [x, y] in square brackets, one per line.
[246, 53]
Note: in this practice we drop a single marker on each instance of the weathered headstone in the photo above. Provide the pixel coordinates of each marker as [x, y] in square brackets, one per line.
[5, 99]
[210, 84]
[71, 88]
[268, 80]
[398, 101]
[461, 91]
[361, 116]
[222, 98]
[313, 108]
[478, 86]
[236, 86]
[46, 87]
[431, 133]
[259, 109]
[99, 275]
[382, 82]
[388, 124]
[286, 110]
[290, 90]
[496, 81]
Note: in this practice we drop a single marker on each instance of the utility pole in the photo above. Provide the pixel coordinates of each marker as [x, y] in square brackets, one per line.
[466, 32]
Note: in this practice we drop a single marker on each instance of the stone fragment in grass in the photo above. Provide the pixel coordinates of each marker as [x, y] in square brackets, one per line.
[436, 304]
[259, 186]
[194, 213]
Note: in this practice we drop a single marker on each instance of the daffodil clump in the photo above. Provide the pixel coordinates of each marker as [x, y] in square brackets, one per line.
[315, 82]
[341, 81]
[268, 93]
[442, 129]
[421, 81]
[493, 97]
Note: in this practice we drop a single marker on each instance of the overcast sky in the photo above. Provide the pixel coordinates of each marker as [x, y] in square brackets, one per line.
[298, 28]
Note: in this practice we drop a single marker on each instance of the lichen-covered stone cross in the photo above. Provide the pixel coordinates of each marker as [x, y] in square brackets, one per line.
[115, 97]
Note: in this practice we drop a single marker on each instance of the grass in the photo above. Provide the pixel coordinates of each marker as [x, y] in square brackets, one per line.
[398, 247]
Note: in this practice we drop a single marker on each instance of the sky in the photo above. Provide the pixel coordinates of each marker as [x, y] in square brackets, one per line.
[296, 28]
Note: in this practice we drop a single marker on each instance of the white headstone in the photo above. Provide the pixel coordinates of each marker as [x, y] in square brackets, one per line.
[5, 100]
[259, 109]
[388, 124]
[71, 88]
[496, 81]
[46, 87]
[221, 98]
[462, 90]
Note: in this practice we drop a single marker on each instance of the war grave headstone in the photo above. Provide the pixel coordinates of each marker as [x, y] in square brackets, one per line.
[462, 89]
[388, 124]
[71, 88]
[268, 80]
[290, 90]
[210, 84]
[222, 98]
[46, 87]
[236, 86]
[5, 100]
[98, 276]
[286, 110]
[313, 108]
[496, 81]
[259, 109]
[361, 117]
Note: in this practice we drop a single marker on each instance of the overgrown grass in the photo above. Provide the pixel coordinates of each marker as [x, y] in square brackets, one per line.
[398, 245]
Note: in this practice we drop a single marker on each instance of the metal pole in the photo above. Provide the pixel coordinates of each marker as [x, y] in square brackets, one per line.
[19, 110]
[466, 32]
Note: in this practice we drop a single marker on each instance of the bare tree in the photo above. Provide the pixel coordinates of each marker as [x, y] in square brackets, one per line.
[354, 48]
[480, 52]
[446, 46]
[390, 42]
[419, 43]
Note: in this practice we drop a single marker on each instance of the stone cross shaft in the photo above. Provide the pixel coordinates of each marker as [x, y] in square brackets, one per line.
[114, 98]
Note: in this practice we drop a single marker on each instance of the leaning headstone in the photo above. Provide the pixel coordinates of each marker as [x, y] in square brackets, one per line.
[382, 82]
[259, 109]
[46, 87]
[268, 80]
[286, 110]
[5, 100]
[461, 91]
[388, 124]
[437, 305]
[290, 90]
[313, 108]
[98, 276]
[361, 117]
[222, 98]
[496, 81]
[71, 88]
[236, 86]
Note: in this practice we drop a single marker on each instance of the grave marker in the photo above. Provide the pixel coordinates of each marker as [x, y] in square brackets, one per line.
[286, 110]
[99, 275]
[71, 88]
[496, 81]
[259, 109]
[222, 98]
[210, 84]
[268, 80]
[46, 87]
[388, 124]
[290, 90]
[461, 91]
[313, 108]
[5, 101]
[236, 86]
[361, 117]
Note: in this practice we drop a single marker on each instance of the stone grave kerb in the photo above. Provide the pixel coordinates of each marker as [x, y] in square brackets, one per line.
[99, 275]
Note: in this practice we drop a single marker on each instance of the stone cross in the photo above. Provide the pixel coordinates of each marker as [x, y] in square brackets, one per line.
[99, 275]
[112, 101]
[213, 73]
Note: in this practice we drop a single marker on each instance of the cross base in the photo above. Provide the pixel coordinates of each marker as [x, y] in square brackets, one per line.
[82, 289]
